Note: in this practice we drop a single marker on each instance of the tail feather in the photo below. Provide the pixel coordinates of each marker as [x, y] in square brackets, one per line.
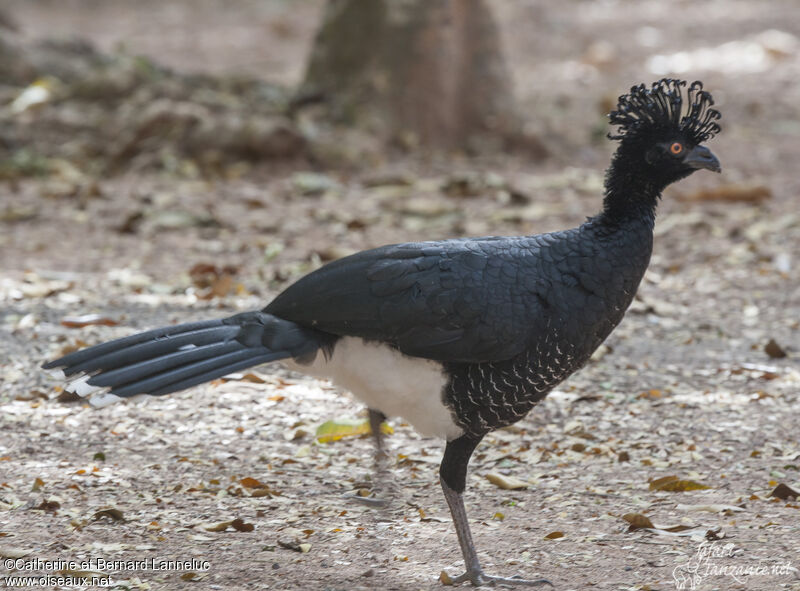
[173, 358]
[211, 367]
[73, 363]
[133, 372]
[157, 346]
[218, 372]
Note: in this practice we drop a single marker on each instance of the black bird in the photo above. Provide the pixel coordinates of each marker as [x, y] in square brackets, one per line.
[459, 337]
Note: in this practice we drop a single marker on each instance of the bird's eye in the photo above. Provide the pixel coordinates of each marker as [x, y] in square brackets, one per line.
[676, 148]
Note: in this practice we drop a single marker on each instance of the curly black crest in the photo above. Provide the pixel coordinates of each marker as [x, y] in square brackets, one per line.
[662, 107]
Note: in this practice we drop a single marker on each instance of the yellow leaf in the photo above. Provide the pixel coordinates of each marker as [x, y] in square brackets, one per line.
[221, 526]
[340, 428]
[674, 484]
[506, 482]
[192, 576]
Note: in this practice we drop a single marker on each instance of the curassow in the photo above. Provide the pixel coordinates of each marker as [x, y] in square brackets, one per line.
[458, 337]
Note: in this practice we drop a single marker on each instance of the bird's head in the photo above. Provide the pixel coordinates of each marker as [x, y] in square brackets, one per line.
[662, 128]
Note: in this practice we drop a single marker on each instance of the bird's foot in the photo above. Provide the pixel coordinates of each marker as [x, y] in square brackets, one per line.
[478, 578]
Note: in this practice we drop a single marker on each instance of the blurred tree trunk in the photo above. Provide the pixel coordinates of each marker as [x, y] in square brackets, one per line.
[422, 71]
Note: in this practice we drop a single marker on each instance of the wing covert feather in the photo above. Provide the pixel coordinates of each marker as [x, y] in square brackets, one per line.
[453, 300]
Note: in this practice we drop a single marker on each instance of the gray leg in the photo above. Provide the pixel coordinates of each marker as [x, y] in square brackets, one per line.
[376, 417]
[453, 476]
[382, 484]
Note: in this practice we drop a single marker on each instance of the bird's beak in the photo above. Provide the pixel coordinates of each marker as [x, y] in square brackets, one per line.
[701, 157]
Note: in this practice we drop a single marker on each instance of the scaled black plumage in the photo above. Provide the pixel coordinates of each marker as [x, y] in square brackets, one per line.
[502, 320]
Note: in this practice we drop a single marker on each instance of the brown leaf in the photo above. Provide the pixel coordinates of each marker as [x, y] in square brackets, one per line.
[252, 483]
[87, 320]
[240, 525]
[638, 521]
[674, 484]
[731, 193]
[110, 512]
[784, 493]
[214, 281]
[554, 535]
[264, 492]
[252, 378]
[774, 350]
[67, 396]
[49, 506]
[37, 484]
[216, 527]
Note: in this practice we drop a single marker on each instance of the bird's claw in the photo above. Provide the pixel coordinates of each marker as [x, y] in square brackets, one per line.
[479, 579]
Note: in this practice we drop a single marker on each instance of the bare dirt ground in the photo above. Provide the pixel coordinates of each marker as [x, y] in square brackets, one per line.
[686, 387]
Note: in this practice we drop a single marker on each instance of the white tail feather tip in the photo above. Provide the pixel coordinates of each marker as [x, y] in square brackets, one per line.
[104, 399]
[81, 387]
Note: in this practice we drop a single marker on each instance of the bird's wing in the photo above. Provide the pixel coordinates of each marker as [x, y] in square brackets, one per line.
[453, 300]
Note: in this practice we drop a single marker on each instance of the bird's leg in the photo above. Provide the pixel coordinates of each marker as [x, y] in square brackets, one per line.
[376, 418]
[382, 484]
[453, 477]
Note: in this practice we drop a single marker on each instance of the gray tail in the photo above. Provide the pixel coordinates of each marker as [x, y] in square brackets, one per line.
[168, 359]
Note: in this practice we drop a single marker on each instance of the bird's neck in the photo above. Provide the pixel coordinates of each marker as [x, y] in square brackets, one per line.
[630, 193]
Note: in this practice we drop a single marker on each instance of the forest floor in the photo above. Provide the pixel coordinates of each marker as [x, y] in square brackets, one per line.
[700, 381]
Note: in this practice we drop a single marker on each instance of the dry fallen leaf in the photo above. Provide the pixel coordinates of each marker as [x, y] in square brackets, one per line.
[110, 512]
[252, 378]
[87, 320]
[731, 193]
[192, 576]
[554, 535]
[638, 521]
[784, 492]
[710, 508]
[252, 483]
[67, 396]
[774, 350]
[49, 506]
[212, 280]
[216, 527]
[339, 428]
[13, 552]
[240, 525]
[506, 482]
[674, 484]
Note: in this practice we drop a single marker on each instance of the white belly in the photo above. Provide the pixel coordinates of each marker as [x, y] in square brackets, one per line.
[388, 381]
